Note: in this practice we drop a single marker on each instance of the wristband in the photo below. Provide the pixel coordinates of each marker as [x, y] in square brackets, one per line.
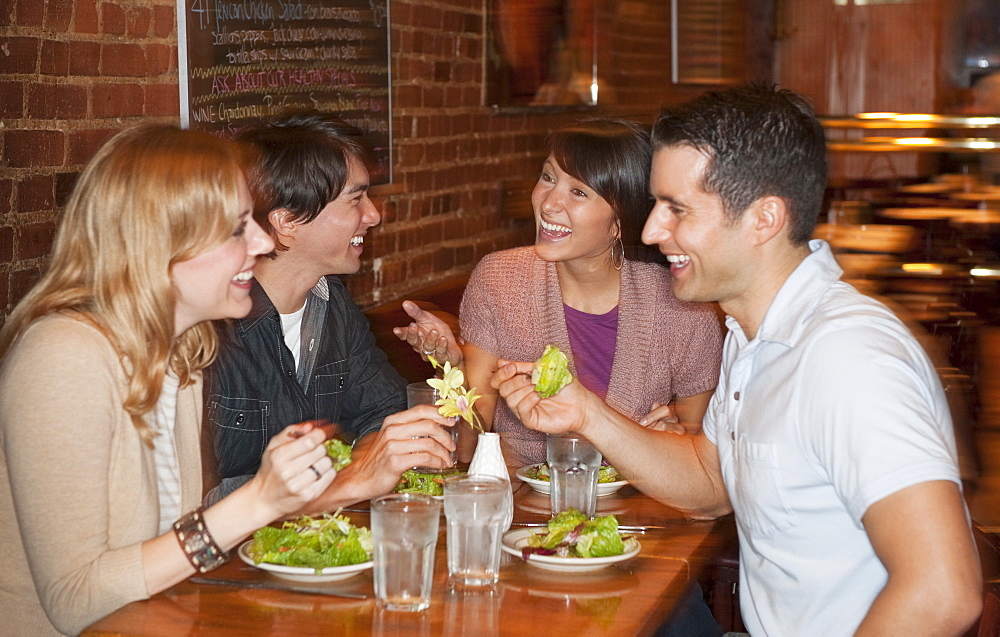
[197, 543]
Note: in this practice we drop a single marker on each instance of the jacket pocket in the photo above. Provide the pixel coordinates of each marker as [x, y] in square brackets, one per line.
[240, 433]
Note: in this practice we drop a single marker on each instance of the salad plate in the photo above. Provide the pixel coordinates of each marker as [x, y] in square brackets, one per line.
[302, 573]
[543, 486]
[515, 540]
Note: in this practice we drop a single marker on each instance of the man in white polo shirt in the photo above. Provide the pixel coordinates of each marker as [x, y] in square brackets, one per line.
[828, 434]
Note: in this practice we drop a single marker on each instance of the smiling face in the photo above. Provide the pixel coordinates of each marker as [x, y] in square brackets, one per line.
[572, 221]
[705, 249]
[332, 243]
[216, 283]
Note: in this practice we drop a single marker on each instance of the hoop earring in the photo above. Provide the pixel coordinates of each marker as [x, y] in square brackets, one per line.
[620, 261]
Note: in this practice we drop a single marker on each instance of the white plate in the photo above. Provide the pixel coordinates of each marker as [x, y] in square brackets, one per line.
[514, 541]
[543, 486]
[304, 573]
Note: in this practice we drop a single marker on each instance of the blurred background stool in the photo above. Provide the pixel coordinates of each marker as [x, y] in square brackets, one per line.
[721, 583]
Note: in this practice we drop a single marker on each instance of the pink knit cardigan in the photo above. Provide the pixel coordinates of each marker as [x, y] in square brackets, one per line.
[665, 348]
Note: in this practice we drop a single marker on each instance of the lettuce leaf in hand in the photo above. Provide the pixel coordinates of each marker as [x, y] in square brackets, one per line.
[551, 372]
[339, 452]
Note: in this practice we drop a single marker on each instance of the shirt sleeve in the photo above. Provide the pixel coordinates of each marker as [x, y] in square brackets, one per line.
[881, 422]
[477, 315]
[700, 358]
[59, 395]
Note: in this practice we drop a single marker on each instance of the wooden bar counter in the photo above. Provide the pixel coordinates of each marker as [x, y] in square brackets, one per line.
[629, 598]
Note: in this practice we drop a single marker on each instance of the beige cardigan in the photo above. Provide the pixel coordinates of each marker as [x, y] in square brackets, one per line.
[81, 481]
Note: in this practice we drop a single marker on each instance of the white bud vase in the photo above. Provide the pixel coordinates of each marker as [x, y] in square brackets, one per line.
[488, 461]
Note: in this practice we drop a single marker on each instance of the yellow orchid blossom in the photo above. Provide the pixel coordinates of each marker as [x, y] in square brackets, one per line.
[455, 400]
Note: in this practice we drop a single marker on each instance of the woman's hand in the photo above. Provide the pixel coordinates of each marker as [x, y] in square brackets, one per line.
[429, 335]
[294, 469]
[662, 418]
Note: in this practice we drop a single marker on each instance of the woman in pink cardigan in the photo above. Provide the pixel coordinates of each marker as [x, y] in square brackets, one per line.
[588, 286]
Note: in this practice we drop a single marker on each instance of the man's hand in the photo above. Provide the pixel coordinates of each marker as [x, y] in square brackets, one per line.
[566, 411]
[429, 335]
[417, 437]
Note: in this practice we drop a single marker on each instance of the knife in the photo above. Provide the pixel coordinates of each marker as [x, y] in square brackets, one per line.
[243, 583]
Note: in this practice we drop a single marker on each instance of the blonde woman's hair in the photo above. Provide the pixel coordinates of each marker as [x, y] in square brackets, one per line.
[151, 197]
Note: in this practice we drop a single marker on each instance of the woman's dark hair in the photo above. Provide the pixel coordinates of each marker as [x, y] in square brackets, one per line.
[299, 161]
[612, 157]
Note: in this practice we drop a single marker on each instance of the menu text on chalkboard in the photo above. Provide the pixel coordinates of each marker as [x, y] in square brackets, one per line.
[242, 61]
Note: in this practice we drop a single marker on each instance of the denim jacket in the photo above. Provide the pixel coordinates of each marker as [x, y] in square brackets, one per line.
[252, 391]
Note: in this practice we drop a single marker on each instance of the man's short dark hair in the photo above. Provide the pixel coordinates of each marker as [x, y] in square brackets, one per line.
[760, 141]
[299, 161]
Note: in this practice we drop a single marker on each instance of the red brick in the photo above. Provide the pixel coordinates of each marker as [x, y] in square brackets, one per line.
[11, 100]
[58, 15]
[6, 251]
[36, 193]
[159, 59]
[64, 101]
[6, 14]
[21, 54]
[84, 143]
[34, 148]
[54, 59]
[116, 100]
[84, 58]
[64, 187]
[162, 99]
[34, 240]
[6, 198]
[85, 18]
[113, 19]
[128, 60]
[30, 13]
[138, 21]
[163, 20]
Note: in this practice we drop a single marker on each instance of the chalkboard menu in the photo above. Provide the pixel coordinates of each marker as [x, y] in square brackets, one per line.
[241, 61]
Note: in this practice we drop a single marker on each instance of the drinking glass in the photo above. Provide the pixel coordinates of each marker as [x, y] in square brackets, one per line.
[404, 532]
[474, 511]
[424, 394]
[573, 466]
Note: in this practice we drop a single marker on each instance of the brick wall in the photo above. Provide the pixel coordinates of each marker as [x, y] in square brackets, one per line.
[72, 72]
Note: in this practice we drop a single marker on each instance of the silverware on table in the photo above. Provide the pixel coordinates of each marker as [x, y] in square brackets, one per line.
[242, 583]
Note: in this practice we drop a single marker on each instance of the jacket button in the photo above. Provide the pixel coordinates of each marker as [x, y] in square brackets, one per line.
[289, 373]
[342, 381]
[240, 418]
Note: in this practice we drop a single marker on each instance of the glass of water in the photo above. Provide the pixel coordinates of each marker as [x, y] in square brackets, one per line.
[474, 511]
[404, 532]
[424, 394]
[573, 466]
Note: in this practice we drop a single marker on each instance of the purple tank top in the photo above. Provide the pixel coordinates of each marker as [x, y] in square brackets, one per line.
[592, 339]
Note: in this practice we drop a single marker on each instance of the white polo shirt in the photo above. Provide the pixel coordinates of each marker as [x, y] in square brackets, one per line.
[832, 407]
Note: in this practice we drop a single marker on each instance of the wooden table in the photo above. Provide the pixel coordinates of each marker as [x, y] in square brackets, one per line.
[629, 598]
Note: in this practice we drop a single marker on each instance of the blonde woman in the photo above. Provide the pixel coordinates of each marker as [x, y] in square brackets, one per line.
[100, 388]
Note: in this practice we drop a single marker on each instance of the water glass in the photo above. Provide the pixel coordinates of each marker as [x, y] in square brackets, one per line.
[424, 394]
[573, 467]
[404, 532]
[474, 511]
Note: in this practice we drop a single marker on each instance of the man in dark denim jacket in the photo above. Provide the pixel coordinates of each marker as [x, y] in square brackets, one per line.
[305, 351]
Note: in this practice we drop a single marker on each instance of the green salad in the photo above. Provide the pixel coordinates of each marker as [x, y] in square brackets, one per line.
[339, 451]
[572, 534]
[551, 372]
[413, 481]
[310, 542]
[605, 474]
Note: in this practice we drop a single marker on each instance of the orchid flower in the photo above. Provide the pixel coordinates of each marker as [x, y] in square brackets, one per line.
[455, 400]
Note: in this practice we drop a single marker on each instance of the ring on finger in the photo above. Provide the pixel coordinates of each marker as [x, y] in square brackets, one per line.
[316, 471]
[427, 352]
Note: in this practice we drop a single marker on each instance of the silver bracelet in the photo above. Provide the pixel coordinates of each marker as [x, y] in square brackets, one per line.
[197, 543]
